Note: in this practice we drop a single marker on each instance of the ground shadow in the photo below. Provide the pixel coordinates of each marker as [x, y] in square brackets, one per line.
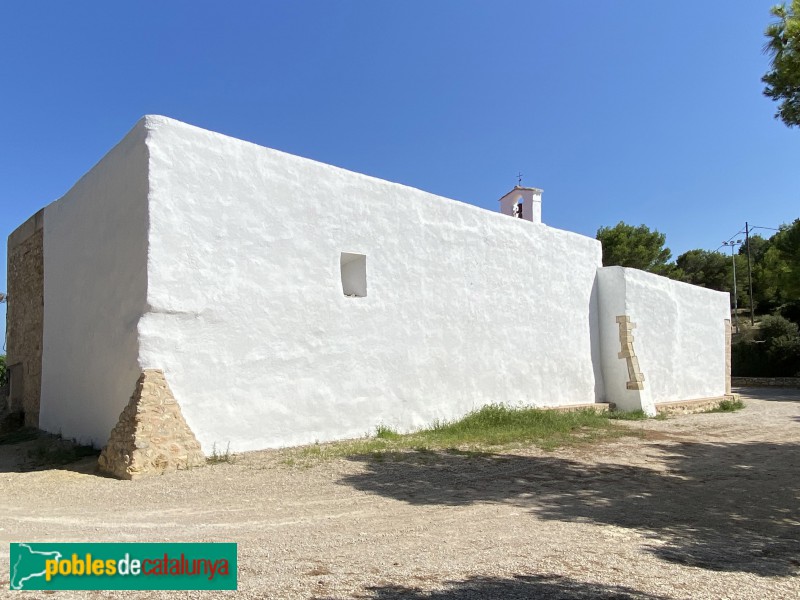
[724, 507]
[27, 449]
[540, 587]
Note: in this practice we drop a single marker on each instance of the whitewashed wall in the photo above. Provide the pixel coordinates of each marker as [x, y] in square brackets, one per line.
[219, 261]
[95, 281]
[247, 316]
[679, 337]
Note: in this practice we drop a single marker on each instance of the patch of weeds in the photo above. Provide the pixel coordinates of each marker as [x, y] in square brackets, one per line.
[499, 425]
[494, 426]
[53, 451]
[220, 457]
[727, 406]
[382, 432]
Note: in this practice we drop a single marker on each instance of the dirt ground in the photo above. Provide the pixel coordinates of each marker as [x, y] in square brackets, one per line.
[700, 506]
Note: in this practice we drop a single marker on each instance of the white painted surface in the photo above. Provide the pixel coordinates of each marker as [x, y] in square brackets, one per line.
[531, 200]
[612, 287]
[247, 316]
[679, 338]
[225, 258]
[94, 292]
[681, 334]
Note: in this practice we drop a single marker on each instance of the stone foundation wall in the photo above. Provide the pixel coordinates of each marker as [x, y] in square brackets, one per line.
[685, 407]
[25, 316]
[790, 382]
[151, 436]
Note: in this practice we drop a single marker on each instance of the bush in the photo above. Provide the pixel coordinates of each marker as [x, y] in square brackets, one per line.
[3, 372]
[773, 350]
[775, 326]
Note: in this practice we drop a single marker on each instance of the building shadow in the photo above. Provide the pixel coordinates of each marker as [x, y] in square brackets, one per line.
[722, 507]
[540, 587]
[26, 449]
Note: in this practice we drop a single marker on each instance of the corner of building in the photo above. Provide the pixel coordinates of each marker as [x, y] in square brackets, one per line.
[25, 317]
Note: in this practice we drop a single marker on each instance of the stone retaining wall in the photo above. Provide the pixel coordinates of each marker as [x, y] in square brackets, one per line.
[685, 407]
[791, 382]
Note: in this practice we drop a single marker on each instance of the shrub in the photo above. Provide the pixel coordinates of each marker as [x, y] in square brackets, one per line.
[774, 350]
[775, 326]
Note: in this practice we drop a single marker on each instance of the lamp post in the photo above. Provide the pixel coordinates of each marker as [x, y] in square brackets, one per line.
[733, 244]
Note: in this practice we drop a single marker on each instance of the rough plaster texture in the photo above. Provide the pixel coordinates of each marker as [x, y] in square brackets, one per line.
[151, 436]
[25, 317]
[221, 263]
[261, 347]
[95, 259]
[680, 338]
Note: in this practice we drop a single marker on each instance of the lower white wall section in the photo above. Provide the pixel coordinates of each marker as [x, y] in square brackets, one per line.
[679, 338]
[261, 346]
[95, 282]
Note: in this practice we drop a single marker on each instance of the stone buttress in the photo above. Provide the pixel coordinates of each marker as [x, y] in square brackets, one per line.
[151, 436]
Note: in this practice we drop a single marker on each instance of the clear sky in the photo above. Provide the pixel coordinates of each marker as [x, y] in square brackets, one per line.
[647, 112]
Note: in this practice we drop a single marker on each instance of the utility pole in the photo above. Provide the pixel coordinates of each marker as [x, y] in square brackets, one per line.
[733, 244]
[749, 272]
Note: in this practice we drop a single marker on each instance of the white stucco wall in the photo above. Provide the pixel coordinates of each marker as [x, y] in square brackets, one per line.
[95, 258]
[679, 337]
[612, 286]
[248, 319]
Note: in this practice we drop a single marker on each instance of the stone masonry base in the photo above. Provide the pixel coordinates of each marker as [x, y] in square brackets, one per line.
[684, 407]
[151, 436]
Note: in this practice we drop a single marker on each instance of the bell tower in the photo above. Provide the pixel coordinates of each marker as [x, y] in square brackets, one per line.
[523, 203]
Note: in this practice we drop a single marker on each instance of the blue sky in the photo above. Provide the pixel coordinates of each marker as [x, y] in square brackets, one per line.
[647, 112]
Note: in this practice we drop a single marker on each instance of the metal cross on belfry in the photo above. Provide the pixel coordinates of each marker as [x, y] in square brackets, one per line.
[519, 179]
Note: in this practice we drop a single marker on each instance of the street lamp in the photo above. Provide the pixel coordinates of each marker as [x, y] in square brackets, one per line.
[733, 244]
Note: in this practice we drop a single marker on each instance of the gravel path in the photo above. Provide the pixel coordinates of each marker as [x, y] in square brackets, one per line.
[699, 506]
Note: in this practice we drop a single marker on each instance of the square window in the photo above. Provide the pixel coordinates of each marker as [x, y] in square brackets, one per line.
[354, 274]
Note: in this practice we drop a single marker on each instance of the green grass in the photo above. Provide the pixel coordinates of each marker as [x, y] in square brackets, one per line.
[634, 415]
[492, 427]
[383, 432]
[727, 406]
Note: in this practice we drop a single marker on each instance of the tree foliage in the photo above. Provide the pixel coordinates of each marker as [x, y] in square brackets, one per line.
[637, 247]
[708, 269]
[776, 269]
[714, 270]
[775, 263]
[783, 79]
